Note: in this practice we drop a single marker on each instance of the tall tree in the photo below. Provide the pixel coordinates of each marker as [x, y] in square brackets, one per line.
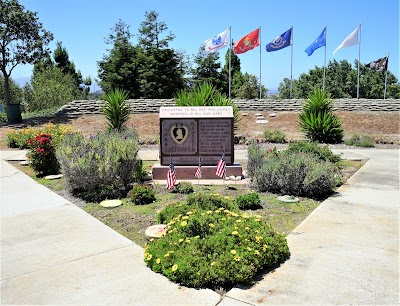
[160, 71]
[207, 69]
[62, 61]
[249, 87]
[235, 71]
[120, 67]
[23, 39]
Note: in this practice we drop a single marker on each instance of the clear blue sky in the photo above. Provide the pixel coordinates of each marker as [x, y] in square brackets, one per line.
[83, 25]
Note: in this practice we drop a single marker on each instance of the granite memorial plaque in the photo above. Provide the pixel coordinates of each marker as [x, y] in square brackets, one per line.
[186, 133]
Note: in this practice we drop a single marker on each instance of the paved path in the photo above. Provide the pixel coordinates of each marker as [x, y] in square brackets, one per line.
[345, 252]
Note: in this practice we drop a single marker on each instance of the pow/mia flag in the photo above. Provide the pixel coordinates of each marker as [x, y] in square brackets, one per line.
[380, 64]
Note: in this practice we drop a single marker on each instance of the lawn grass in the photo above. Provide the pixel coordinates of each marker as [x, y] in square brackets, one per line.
[131, 220]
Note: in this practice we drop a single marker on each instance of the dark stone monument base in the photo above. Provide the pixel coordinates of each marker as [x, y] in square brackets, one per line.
[187, 172]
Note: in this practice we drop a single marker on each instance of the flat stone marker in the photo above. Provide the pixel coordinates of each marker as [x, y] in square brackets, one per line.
[261, 121]
[156, 231]
[24, 163]
[110, 203]
[288, 199]
[53, 177]
[272, 115]
[245, 114]
[258, 114]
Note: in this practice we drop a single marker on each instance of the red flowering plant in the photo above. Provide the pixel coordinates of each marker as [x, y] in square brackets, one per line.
[42, 155]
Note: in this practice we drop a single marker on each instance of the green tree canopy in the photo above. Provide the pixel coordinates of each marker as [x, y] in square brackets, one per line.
[207, 69]
[341, 82]
[23, 39]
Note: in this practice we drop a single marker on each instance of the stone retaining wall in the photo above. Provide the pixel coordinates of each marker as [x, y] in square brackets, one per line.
[91, 107]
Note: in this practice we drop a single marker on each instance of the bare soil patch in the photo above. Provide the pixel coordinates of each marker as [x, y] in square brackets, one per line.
[383, 127]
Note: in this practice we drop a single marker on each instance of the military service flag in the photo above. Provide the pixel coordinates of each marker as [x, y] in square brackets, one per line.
[248, 42]
[380, 64]
[280, 42]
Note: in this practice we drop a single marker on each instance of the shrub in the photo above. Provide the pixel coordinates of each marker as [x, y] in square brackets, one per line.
[206, 94]
[18, 138]
[274, 136]
[204, 201]
[142, 194]
[300, 174]
[248, 201]
[255, 159]
[360, 141]
[99, 167]
[322, 152]
[317, 120]
[116, 109]
[214, 248]
[183, 188]
[42, 155]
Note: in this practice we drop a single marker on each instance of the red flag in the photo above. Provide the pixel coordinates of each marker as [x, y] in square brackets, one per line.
[248, 42]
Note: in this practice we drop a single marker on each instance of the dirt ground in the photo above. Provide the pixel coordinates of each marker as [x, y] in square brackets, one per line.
[383, 127]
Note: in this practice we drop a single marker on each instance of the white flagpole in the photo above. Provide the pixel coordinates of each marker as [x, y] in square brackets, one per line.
[323, 84]
[358, 70]
[259, 36]
[387, 64]
[291, 63]
[230, 50]
[198, 179]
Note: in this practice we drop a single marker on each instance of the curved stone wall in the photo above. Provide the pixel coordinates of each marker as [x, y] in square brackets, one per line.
[92, 107]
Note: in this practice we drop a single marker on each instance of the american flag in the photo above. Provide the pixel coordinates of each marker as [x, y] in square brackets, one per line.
[198, 172]
[221, 167]
[171, 176]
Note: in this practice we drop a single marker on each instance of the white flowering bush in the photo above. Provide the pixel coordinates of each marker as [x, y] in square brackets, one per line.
[215, 248]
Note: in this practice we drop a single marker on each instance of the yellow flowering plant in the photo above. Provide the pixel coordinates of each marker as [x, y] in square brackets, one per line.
[212, 249]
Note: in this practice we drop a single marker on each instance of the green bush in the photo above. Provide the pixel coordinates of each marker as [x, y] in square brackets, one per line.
[116, 109]
[215, 248]
[42, 155]
[142, 194]
[183, 188]
[200, 200]
[360, 141]
[317, 120]
[322, 152]
[274, 136]
[99, 167]
[292, 173]
[248, 201]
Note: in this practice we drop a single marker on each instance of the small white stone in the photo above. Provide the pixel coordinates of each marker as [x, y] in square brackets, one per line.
[156, 231]
[238, 178]
[288, 199]
[53, 177]
[272, 115]
[261, 121]
[111, 203]
[258, 114]
[232, 178]
[244, 114]
[24, 163]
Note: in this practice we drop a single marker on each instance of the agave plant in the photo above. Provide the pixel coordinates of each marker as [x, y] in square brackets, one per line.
[206, 95]
[116, 109]
[317, 119]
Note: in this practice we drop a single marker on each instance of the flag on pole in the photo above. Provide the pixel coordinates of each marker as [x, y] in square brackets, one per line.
[380, 64]
[248, 42]
[318, 43]
[198, 170]
[171, 176]
[280, 42]
[350, 40]
[221, 167]
[217, 42]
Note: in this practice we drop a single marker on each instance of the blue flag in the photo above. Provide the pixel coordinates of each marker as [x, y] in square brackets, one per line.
[318, 43]
[280, 42]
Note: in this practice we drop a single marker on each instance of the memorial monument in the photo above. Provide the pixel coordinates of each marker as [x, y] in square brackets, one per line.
[196, 134]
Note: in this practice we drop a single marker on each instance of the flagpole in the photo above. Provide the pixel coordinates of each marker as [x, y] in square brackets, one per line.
[358, 70]
[387, 64]
[259, 36]
[198, 178]
[230, 50]
[291, 64]
[323, 84]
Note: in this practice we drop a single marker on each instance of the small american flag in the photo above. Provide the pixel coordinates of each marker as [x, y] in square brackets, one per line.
[221, 167]
[198, 172]
[171, 176]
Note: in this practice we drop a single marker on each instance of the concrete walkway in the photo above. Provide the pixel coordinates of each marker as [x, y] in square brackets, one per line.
[345, 252]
